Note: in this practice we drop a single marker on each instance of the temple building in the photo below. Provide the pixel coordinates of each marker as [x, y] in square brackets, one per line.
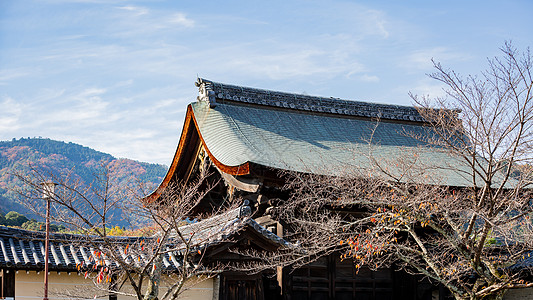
[248, 137]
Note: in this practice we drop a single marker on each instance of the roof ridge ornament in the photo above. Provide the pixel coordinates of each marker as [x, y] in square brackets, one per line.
[210, 91]
[205, 92]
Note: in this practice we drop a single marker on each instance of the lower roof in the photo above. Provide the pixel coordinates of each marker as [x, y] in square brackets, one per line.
[25, 249]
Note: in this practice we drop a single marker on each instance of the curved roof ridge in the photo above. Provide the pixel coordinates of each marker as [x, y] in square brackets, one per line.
[212, 91]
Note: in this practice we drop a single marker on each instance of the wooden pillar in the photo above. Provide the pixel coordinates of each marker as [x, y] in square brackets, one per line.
[113, 287]
[7, 284]
[216, 288]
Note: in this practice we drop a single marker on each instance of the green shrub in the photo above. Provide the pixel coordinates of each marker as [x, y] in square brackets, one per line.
[41, 226]
[14, 218]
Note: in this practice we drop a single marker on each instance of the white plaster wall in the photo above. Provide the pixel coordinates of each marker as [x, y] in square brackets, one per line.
[199, 289]
[31, 286]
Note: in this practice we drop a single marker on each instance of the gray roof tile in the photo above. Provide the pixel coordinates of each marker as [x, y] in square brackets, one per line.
[24, 249]
[322, 144]
[292, 132]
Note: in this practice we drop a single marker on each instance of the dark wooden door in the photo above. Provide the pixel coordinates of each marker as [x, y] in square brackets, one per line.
[241, 287]
[7, 284]
[330, 278]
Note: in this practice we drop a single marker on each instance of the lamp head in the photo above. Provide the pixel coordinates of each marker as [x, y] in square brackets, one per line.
[48, 189]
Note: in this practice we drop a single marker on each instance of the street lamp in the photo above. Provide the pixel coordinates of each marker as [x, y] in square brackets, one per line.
[48, 193]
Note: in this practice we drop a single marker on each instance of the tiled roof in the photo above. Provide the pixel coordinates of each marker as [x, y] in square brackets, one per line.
[222, 227]
[241, 125]
[525, 263]
[24, 249]
[213, 91]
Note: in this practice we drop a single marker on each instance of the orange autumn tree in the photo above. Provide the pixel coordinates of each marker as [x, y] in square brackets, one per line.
[455, 209]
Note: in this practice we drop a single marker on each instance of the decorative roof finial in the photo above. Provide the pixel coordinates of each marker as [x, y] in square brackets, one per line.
[205, 91]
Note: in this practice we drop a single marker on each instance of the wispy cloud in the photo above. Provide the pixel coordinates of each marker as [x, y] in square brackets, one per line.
[10, 74]
[181, 19]
[421, 59]
[375, 23]
[10, 115]
[428, 87]
[85, 1]
[368, 78]
[144, 23]
[135, 10]
[117, 75]
[86, 107]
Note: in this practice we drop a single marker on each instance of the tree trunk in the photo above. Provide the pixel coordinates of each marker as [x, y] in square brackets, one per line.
[152, 292]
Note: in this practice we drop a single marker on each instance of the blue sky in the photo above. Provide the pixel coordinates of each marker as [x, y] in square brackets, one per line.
[117, 75]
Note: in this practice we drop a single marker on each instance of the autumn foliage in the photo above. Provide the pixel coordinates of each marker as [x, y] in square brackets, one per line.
[474, 239]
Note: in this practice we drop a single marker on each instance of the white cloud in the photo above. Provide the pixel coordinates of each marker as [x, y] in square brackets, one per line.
[139, 129]
[123, 83]
[376, 23]
[84, 1]
[10, 115]
[72, 37]
[368, 78]
[165, 103]
[47, 97]
[140, 24]
[428, 87]
[296, 61]
[181, 19]
[136, 10]
[91, 93]
[84, 108]
[421, 59]
[9, 74]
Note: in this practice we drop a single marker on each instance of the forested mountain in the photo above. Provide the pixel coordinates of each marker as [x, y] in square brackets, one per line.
[18, 155]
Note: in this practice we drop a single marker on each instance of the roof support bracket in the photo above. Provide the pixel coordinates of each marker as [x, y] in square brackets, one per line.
[251, 186]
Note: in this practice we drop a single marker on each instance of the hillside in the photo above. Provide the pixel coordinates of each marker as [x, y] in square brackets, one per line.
[19, 155]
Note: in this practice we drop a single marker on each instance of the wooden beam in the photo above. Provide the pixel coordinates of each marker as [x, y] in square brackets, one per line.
[247, 185]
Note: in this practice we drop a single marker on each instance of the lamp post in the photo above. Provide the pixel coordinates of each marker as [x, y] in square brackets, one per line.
[48, 193]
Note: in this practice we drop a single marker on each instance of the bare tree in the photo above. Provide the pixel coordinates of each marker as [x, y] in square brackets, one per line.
[454, 209]
[122, 265]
